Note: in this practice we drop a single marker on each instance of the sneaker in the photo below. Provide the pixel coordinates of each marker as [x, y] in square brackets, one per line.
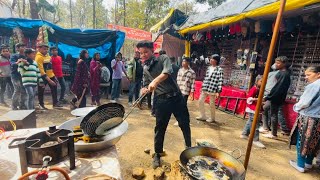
[307, 166]
[295, 165]
[259, 144]
[270, 136]
[201, 118]
[113, 101]
[156, 161]
[130, 104]
[244, 136]
[176, 124]
[42, 107]
[210, 120]
[264, 131]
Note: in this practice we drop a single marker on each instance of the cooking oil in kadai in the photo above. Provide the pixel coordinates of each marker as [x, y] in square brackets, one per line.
[207, 168]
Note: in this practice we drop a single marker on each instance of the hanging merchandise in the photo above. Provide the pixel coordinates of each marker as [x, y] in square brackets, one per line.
[18, 35]
[43, 36]
[266, 26]
[225, 31]
[232, 30]
[11, 44]
[239, 57]
[244, 31]
[208, 36]
[257, 28]
[253, 59]
[245, 59]
[237, 29]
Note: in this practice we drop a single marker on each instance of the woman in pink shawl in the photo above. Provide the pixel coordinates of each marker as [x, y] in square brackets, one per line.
[95, 76]
[81, 80]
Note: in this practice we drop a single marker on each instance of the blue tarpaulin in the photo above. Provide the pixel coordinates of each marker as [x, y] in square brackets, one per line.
[69, 41]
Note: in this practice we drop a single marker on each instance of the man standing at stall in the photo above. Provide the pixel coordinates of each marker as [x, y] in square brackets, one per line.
[135, 73]
[278, 93]
[168, 98]
[19, 94]
[44, 63]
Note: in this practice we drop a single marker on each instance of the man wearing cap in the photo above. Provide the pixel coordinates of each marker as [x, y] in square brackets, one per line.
[44, 63]
[168, 98]
[117, 67]
[19, 94]
[211, 86]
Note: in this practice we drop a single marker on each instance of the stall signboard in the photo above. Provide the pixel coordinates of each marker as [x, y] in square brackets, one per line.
[131, 33]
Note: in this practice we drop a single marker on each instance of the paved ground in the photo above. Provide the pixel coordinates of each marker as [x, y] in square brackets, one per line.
[270, 163]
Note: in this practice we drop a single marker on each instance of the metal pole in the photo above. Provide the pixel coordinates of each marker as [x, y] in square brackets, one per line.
[264, 80]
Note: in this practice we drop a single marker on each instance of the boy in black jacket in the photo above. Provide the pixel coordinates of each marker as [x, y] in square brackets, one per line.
[278, 93]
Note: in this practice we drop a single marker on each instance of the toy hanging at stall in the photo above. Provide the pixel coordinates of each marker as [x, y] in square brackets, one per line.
[16, 38]
[43, 36]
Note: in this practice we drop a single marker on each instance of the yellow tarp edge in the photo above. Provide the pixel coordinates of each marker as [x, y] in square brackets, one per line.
[157, 26]
[262, 11]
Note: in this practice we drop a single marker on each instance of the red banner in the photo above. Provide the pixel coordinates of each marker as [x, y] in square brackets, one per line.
[131, 33]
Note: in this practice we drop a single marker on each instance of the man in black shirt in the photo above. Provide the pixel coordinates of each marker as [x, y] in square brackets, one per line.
[168, 98]
[175, 68]
[19, 94]
[278, 93]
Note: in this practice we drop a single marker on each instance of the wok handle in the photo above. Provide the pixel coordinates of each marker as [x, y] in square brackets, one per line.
[240, 153]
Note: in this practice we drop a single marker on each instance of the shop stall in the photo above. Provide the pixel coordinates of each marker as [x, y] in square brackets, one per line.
[240, 31]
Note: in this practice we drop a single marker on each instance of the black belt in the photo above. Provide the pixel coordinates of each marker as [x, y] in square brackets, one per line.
[168, 95]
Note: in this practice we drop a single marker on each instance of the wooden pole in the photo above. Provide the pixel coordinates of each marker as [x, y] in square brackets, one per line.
[264, 80]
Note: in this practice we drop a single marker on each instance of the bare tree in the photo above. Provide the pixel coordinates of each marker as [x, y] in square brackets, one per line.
[33, 9]
[94, 22]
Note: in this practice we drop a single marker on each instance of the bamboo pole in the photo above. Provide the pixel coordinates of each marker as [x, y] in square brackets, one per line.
[264, 80]
[187, 48]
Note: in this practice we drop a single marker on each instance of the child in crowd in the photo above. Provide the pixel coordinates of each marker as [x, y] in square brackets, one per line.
[5, 72]
[30, 75]
[212, 86]
[56, 61]
[252, 98]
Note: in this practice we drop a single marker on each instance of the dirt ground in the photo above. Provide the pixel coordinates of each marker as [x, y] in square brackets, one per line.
[269, 163]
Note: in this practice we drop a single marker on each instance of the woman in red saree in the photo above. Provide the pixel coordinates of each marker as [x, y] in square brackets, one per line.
[81, 80]
[95, 77]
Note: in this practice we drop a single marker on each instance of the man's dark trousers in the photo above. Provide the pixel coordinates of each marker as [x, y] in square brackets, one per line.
[164, 107]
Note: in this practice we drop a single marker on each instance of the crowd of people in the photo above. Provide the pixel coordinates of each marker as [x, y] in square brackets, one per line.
[168, 88]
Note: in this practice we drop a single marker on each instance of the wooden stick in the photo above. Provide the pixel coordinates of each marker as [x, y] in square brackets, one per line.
[83, 92]
[264, 80]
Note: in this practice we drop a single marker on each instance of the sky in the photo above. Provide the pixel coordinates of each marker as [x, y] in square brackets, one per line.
[198, 7]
